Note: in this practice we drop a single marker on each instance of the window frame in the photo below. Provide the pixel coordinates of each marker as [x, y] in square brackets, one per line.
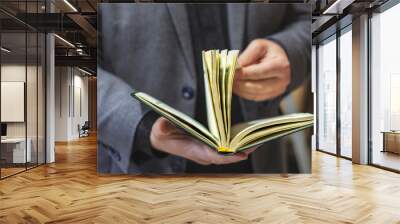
[378, 10]
[342, 27]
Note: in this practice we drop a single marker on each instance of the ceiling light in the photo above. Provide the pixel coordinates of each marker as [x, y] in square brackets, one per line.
[65, 41]
[70, 5]
[5, 50]
[79, 51]
[338, 6]
[84, 71]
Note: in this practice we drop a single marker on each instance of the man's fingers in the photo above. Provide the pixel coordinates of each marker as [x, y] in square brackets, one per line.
[176, 142]
[260, 86]
[258, 71]
[250, 150]
[262, 70]
[259, 96]
[214, 158]
[259, 90]
[253, 53]
[232, 158]
[262, 60]
[167, 128]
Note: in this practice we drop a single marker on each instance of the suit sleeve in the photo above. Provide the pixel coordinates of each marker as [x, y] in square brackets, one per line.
[123, 124]
[295, 38]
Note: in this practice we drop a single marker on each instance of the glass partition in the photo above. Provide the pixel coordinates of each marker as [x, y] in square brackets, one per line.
[23, 91]
[326, 76]
[14, 153]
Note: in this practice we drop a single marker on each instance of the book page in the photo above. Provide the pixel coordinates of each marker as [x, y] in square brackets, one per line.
[241, 130]
[211, 117]
[211, 60]
[178, 118]
[265, 132]
[220, 69]
[271, 137]
[232, 62]
[222, 82]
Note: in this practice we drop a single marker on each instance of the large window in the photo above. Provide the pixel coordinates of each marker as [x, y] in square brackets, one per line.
[385, 88]
[326, 59]
[345, 43]
[334, 93]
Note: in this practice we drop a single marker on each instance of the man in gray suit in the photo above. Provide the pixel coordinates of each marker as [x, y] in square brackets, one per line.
[156, 48]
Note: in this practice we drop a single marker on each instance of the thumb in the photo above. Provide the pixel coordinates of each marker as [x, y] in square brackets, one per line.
[166, 127]
[253, 53]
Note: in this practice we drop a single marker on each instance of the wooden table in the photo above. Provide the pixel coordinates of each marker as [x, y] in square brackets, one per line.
[14, 152]
[391, 141]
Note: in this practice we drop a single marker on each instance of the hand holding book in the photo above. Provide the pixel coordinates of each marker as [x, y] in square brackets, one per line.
[219, 71]
[264, 71]
[167, 138]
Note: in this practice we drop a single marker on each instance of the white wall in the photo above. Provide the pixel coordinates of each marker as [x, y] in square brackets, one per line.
[13, 73]
[62, 81]
[13, 101]
[80, 102]
[33, 126]
[71, 102]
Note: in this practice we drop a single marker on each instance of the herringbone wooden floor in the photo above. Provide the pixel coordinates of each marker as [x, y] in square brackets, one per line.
[70, 191]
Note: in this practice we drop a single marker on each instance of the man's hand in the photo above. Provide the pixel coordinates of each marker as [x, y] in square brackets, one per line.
[168, 138]
[264, 71]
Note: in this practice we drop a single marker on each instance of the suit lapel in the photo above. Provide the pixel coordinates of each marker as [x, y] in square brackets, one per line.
[236, 24]
[181, 23]
[237, 14]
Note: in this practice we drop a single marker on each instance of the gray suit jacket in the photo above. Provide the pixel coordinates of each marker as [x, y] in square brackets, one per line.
[147, 47]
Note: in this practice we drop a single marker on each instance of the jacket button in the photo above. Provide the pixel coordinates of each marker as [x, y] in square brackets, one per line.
[187, 92]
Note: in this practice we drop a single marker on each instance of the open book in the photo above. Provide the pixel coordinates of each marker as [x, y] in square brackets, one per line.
[219, 70]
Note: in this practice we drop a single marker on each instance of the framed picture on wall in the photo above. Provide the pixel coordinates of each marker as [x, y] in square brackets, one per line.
[12, 101]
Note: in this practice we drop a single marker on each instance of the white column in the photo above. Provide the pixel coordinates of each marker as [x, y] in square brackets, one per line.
[360, 90]
[50, 99]
[50, 92]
